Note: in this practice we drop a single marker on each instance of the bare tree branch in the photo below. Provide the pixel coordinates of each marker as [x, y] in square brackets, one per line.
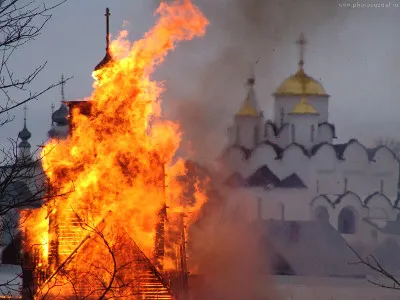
[20, 23]
[374, 265]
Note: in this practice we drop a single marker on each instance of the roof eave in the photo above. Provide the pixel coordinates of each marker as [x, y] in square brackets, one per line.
[304, 113]
[296, 94]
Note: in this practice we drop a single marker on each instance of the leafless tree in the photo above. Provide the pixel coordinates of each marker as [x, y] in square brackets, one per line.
[22, 185]
[22, 180]
[21, 22]
[384, 277]
[381, 276]
[107, 263]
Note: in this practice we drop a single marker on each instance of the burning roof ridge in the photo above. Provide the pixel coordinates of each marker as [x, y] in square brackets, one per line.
[136, 248]
[150, 264]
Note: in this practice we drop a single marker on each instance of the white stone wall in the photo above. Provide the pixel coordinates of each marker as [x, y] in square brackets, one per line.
[298, 205]
[380, 208]
[232, 160]
[231, 132]
[287, 103]
[286, 204]
[377, 208]
[244, 129]
[294, 161]
[321, 104]
[324, 172]
[295, 205]
[324, 288]
[301, 124]
[335, 206]
[269, 134]
[276, 204]
[362, 195]
[324, 134]
[283, 138]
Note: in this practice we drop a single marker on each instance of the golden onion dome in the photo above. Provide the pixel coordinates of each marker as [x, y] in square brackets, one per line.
[249, 106]
[304, 108]
[247, 110]
[293, 85]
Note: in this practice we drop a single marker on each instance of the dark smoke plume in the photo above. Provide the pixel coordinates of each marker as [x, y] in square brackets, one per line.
[205, 77]
[227, 260]
[204, 82]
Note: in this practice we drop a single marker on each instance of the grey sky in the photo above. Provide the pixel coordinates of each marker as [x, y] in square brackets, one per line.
[353, 51]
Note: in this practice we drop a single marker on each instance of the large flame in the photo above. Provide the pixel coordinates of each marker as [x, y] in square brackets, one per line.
[112, 167]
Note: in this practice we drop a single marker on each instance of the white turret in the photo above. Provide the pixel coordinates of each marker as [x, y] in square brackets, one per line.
[247, 130]
[24, 147]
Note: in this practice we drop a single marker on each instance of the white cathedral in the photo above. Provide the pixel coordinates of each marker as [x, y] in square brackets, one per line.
[290, 170]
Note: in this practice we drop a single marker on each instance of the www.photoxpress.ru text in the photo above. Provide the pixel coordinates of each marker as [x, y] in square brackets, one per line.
[369, 5]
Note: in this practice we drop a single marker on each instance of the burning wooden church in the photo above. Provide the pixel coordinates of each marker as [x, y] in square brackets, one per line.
[107, 230]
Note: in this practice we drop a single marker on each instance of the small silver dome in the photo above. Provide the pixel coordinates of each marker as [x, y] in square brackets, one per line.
[24, 134]
[60, 116]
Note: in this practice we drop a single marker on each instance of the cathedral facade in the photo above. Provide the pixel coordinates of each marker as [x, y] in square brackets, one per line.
[294, 171]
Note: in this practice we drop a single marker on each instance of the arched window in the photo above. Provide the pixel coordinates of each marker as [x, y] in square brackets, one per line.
[312, 133]
[237, 138]
[256, 135]
[282, 211]
[321, 214]
[266, 130]
[294, 231]
[282, 116]
[293, 134]
[347, 221]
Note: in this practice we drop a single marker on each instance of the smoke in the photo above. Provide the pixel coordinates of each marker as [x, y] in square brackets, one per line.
[204, 81]
[226, 257]
[205, 77]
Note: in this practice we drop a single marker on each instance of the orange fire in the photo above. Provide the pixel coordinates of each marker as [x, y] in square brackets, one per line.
[108, 176]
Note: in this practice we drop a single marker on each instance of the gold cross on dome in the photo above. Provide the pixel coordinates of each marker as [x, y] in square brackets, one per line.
[301, 42]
